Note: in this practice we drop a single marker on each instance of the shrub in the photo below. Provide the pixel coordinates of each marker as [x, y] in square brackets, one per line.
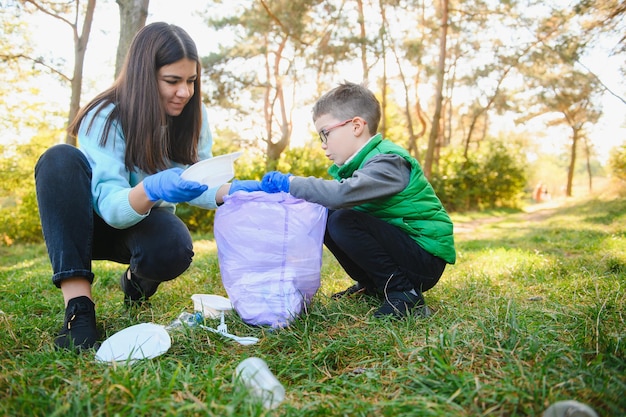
[492, 177]
[617, 162]
[19, 216]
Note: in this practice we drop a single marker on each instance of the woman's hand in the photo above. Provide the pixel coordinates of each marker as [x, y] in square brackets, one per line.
[169, 186]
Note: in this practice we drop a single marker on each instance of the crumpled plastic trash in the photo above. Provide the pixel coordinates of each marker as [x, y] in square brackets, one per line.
[569, 408]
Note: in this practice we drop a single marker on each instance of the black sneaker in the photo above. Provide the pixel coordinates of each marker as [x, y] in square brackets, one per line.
[402, 304]
[356, 289]
[79, 328]
[134, 292]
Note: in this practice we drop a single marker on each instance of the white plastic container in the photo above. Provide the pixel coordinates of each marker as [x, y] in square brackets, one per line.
[210, 305]
[260, 382]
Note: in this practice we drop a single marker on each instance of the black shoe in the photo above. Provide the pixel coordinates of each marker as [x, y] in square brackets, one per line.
[402, 304]
[79, 328]
[357, 288]
[135, 293]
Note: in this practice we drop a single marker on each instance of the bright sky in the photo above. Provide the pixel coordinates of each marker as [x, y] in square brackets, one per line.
[100, 60]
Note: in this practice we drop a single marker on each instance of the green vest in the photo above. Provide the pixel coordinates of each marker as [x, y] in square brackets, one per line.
[416, 209]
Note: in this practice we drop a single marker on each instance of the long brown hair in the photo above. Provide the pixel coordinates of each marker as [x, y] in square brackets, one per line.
[152, 137]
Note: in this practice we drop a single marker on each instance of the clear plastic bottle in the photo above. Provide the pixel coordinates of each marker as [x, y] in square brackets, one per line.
[260, 381]
[186, 319]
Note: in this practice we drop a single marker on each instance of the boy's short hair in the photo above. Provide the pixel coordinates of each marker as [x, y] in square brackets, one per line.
[350, 100]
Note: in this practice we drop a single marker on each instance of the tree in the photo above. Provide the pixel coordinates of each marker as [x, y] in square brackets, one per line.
[605, 16]
[404, 80]
[601, 19]
[558, 88]
[574, 97]
[571, 96]
[441, 69]
[133, 14]
[69, 13]
[263, 63]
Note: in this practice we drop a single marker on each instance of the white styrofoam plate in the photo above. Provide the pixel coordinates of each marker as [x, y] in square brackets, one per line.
[213, 171]
[141, 341]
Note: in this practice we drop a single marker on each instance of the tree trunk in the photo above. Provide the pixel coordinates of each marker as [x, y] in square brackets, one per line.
[383, 92]
[363, 45]
[441, 68]
[572, 163]
[274, 96]
[80, 48]
[133, 14]
[588, 155]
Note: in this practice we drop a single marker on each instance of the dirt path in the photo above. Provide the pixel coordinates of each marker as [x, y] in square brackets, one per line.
[603, 188]
[532, 213]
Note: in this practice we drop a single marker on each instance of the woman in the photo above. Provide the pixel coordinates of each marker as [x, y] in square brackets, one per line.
[114, 196]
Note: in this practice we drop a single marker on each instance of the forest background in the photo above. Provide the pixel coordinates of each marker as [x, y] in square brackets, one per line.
[492, 97]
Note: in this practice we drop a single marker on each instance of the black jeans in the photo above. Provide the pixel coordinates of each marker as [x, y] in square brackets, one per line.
[378, 255]
[158, 248]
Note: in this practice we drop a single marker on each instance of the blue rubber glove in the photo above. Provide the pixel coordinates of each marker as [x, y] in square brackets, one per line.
[244, 185]
[169, 186]
[275, 182]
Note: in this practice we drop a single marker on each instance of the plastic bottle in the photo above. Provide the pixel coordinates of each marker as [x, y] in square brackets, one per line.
[186, 319]
[260, 381]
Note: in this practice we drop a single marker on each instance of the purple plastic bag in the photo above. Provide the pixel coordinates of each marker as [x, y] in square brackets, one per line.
[269, 249]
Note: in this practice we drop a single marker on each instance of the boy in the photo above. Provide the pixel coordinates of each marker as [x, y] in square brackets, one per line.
[386, 226]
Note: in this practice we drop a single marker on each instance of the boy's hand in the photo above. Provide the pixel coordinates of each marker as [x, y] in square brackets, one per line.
[244, 185]
[275, 182]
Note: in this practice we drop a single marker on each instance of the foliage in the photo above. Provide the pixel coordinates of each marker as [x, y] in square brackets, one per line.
[20, 223]
[531, 314]
[494, 176]
[617, 162]
[19, 216]
[305, 161]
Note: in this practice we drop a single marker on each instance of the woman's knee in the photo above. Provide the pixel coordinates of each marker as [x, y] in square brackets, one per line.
[162, 263]
[165, 254]
[61, 159]
[169, 265]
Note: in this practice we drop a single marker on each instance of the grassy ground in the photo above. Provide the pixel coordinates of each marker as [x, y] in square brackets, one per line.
[533, 313]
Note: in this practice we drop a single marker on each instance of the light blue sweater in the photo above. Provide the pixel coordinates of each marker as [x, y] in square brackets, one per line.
[111, 182]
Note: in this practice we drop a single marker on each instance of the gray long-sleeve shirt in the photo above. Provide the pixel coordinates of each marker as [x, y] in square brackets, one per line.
[381, 176]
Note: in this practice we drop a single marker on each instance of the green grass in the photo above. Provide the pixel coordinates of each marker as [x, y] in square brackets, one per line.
[533, 313]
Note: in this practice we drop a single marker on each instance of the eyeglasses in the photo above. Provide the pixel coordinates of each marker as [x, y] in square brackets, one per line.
[324, 132]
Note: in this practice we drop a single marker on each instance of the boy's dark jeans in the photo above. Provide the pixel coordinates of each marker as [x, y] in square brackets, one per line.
[378, 255]
[158, 248]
